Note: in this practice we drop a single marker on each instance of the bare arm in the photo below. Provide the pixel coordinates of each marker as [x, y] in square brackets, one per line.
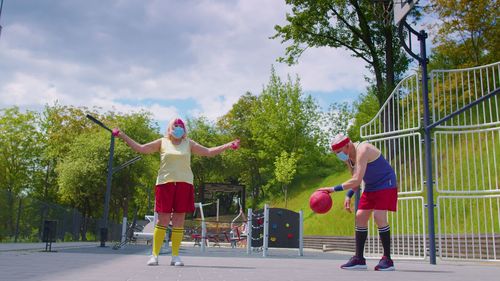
[359, 172]
[200, 150]
[147, 148]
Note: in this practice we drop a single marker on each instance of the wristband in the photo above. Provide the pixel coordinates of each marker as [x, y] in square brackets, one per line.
[349, 193]
[338, 188]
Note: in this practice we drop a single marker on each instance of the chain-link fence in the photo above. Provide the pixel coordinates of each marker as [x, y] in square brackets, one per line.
[22, 220]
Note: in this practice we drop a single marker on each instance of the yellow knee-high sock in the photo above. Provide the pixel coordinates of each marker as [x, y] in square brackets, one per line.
[158, 237]
[177, 233]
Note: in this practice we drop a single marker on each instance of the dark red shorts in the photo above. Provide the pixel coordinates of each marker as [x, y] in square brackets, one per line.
[174, 197]
[385, 199]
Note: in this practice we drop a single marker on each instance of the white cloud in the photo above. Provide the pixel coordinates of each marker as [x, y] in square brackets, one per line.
[198, 57]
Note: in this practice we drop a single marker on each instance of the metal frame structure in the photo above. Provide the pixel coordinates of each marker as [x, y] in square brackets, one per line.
[109, 178]
[465, 138]
[465, 101]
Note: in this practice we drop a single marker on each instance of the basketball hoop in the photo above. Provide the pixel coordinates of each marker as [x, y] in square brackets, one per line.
[383, 8]
[393, 9]
[402, 8]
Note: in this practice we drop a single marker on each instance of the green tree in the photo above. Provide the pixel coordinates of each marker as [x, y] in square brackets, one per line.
[82, 175]
[245, 162]
[82, 171]
[337, 120]
[281, 118]
[19, 155]
[58, 127]
[362, 27]
[467, 33]
[135, 183]
[365, 108]
[285, 169]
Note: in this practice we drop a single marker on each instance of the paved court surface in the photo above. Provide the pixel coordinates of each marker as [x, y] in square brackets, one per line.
[86, 261]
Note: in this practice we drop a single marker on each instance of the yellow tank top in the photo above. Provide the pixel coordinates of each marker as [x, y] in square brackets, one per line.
[175, 165]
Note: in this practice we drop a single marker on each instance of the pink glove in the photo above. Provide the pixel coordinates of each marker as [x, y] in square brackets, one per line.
[235, 144]
[115, 132]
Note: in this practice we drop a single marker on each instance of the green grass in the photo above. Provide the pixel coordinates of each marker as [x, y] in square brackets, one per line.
[336, 222]
[459, 169]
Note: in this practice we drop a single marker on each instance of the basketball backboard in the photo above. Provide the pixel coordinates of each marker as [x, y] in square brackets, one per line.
[401, 8]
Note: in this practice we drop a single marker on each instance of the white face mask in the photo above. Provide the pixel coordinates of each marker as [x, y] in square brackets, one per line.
[342, 156]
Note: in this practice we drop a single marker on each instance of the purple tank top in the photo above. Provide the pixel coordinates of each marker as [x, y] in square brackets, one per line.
[379, 175]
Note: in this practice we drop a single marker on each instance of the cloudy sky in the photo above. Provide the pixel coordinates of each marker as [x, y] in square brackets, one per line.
[174, 58]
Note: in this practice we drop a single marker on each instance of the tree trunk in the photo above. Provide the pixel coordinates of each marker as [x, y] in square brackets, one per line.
[10, 211]
[125, 203]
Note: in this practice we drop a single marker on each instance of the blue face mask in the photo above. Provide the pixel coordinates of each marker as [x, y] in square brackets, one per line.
[178, 132]
[342, 156]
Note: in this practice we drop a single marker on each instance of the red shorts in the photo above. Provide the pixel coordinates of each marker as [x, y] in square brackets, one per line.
[385, 199]
[174, 197]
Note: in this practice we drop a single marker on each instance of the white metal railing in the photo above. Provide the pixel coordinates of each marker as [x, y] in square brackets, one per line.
[467, 161]
[399, 114]
[469, 227]
[408, 231]
[405, 154]
[453, 89]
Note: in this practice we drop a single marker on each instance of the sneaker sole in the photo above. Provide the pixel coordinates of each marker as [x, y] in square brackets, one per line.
[173, 264]
[152, 264]
[356, 267]
[386, 269]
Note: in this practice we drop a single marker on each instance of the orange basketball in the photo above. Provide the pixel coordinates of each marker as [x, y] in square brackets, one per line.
[320, 202]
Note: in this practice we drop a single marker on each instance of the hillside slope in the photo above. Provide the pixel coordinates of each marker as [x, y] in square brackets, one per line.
[336, 222]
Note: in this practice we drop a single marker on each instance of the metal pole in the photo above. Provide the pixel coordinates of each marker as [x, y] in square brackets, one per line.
[301, 233]
[1, 8]
[422, 36]
[356, 199]
[265, 241]
[18, 219]
[217, 212]
[203, 235]
[249, 231]
[104, 227]
[422, 59]
[124, 229]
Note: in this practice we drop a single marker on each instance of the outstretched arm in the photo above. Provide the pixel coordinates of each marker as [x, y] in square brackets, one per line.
[147, 148]
[200, 150]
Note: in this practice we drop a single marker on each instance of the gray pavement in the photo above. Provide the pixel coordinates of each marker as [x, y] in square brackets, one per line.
[87, 261]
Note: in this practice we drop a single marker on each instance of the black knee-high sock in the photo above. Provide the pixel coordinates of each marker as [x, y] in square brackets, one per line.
[385, 237]
[361, 234]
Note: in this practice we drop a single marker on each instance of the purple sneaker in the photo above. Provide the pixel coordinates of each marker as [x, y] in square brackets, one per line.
[355, 263]
[385, 264]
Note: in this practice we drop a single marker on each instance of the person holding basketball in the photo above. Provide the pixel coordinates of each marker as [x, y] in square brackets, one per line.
[380, 195]
[174, 191]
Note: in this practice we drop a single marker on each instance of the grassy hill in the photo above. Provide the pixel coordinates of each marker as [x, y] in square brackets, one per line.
[465, 164]
[336, 222]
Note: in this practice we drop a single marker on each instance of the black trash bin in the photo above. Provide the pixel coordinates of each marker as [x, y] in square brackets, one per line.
[49, 234]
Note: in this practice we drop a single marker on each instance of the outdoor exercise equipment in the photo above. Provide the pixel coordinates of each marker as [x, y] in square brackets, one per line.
[234, 234]
[111, 171]
[286, 231]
